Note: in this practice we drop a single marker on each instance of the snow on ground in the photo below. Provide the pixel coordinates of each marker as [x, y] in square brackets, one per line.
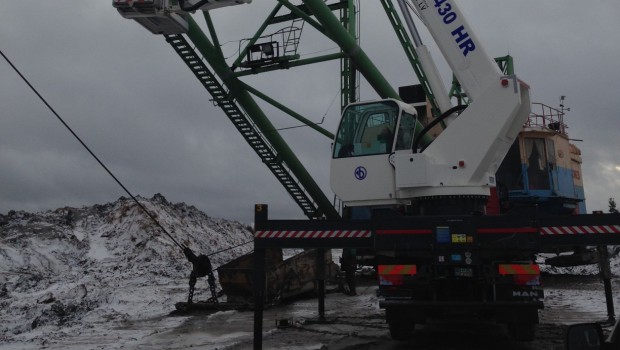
[88, 273]
[104, 277]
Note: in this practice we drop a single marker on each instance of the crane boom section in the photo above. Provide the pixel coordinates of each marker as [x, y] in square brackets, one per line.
[472, 66]
[374, 162]
[488, 126]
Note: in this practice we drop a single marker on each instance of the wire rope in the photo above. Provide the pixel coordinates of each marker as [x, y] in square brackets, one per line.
[140, 205]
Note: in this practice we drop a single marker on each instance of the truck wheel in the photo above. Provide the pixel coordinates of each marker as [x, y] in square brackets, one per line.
[401, 330]
[522, 331]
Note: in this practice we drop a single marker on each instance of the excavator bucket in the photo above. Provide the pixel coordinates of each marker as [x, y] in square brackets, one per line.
[288, 278]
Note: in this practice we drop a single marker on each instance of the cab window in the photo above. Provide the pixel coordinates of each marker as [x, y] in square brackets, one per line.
[366, 129]
[536, 154]
[406, 130]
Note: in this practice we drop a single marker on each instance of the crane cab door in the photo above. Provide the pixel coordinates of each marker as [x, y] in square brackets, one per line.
[369, 133]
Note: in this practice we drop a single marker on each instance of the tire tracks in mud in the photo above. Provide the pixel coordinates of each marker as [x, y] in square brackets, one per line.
[432, 337]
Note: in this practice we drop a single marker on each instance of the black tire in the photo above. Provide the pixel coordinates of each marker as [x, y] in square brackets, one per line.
[401, 330]
[522, 331]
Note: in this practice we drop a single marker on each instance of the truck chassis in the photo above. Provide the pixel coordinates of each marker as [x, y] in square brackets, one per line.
[430, 267]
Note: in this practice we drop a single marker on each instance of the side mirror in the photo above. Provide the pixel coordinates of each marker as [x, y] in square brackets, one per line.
[584, 336]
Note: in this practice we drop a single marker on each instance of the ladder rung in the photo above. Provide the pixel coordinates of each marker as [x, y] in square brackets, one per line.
[241, 122]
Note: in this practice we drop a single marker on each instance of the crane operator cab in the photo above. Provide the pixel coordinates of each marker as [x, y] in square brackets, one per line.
[369, 136]
[376, 164]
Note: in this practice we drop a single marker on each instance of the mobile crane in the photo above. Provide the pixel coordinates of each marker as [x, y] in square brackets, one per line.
[415, 203]
[420, 207]
[378, 168]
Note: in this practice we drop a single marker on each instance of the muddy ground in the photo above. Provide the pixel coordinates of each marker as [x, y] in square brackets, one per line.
[357, 323]
[350, 323]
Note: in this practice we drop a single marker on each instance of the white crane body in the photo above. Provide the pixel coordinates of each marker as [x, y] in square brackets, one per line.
[463, 159]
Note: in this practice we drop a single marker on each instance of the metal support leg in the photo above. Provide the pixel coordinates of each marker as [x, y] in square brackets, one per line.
[260, 216]
[606, 276]
[610, 301]
[320, 271]
[259, 296]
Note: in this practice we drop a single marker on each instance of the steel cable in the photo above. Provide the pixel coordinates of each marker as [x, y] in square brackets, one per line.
[91, 152]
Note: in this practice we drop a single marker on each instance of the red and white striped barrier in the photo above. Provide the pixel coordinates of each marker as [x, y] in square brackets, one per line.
[579, 230]
[548, 230]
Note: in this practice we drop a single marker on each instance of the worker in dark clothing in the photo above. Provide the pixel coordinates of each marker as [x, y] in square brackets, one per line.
[201, 267]
[348, 264]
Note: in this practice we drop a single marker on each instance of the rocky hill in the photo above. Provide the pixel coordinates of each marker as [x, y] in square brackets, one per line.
[79, 267]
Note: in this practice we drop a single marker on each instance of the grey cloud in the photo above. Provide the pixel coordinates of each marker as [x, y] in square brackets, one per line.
[142, 111]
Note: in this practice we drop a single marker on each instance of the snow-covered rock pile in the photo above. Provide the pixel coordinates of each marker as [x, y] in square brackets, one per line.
[78, 267]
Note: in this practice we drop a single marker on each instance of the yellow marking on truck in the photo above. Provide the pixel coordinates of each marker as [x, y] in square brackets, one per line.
[459, 238]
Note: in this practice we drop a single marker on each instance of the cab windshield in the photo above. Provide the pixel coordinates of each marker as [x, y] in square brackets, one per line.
[367, 129]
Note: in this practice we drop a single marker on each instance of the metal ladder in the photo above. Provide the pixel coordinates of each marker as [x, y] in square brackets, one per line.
[291, 38]
[267, 153]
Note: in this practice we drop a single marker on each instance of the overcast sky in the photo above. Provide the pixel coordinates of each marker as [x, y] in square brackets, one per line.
[141, 110]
